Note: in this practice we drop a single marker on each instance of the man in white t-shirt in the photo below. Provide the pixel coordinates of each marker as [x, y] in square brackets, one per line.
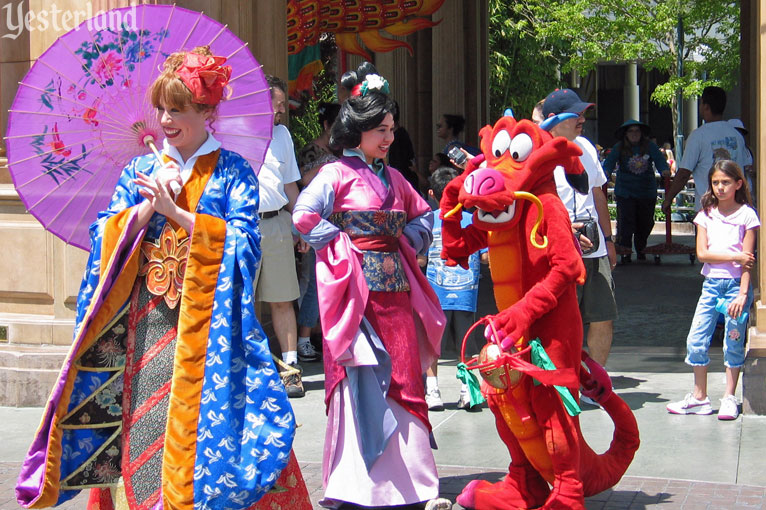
[598, 307]
[276, 280]
[715, 139]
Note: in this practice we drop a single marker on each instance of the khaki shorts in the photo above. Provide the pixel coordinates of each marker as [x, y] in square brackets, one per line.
[596, 296]
[276, 280]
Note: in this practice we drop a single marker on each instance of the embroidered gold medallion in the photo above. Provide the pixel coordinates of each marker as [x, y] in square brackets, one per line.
[165, 265]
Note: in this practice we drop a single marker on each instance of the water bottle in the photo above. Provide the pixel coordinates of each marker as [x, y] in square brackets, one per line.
[722, 306]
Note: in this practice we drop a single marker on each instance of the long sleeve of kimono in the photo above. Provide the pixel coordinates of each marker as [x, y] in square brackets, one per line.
[312, 209]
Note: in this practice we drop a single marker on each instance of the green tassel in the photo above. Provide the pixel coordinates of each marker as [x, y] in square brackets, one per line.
[470, 380]
[541, 359]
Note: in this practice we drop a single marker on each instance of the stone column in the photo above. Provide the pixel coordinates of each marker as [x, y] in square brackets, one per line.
[691, 116]
[268, 35]
[754, 371]
[422, 129]
[631, 99]
[448, 65]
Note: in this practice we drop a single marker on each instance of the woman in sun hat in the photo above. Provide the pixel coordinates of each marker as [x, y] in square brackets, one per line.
[636, 158]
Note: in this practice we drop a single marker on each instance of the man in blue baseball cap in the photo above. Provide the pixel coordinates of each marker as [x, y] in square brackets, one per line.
[563, 114]
[564, 101]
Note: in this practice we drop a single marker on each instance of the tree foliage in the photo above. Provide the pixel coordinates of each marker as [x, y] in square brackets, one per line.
[523, 69]
[580, 34]
[645, 31]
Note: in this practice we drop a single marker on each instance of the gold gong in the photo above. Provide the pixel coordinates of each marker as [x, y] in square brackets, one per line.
[500, 377]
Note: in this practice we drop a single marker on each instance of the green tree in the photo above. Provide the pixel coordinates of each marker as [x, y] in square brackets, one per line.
[523, 68]
[646, 32]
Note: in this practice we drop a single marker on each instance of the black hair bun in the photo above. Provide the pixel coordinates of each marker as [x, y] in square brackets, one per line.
[353, 78]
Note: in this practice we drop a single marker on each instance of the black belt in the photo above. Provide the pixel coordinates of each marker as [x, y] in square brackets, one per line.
[269, 214]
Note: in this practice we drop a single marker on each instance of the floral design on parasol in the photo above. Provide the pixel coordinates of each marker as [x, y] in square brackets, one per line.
[83, 110]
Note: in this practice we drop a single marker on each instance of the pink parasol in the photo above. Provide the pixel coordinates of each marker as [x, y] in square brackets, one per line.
[83, 110]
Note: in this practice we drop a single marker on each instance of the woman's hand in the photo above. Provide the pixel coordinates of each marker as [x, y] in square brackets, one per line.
[157, 191]
[169, 175]
[737, 306]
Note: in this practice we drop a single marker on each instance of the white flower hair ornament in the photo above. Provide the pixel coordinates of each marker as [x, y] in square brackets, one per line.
[372, 82]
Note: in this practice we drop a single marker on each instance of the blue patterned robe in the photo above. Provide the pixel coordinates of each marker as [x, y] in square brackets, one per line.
[231, 427]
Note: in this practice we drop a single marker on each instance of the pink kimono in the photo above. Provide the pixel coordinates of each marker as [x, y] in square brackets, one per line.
[382, 327]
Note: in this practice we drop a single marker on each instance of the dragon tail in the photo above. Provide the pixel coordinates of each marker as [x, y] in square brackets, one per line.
[600, 472]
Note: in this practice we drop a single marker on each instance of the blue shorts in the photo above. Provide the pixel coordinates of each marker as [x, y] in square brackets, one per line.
[704, 322]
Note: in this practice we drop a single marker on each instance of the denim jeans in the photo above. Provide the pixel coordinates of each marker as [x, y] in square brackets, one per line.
[704, 322]
[308, 312]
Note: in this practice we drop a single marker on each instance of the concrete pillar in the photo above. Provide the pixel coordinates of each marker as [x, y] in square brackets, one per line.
[691, 116]
[268, 35]
[422, 131]
[448, 65]
[631, 104]
[754, 371]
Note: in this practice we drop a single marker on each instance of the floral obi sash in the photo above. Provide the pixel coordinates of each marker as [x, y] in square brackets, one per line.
[376, 233]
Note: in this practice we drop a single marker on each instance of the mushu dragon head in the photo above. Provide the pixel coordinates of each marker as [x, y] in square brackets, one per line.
[517, 162]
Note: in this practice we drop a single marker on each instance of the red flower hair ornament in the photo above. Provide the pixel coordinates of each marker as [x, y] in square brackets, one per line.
[205, 77]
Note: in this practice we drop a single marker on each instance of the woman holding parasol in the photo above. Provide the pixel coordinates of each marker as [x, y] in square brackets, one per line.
[381, 322]
[169, 397]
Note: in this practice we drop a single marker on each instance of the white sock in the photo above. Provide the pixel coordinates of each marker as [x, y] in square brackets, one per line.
[463, 389]
[432, 383]
[290, 357]
[303, 340]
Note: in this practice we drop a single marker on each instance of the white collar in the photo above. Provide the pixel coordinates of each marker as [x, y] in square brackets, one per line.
[208, 146]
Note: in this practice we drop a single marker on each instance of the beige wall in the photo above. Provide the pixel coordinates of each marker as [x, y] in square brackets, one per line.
[41, 275]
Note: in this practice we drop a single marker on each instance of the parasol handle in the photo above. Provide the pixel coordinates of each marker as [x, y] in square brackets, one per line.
[149, 142]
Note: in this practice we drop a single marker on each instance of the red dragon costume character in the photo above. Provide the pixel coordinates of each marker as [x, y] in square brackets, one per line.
[535, 265]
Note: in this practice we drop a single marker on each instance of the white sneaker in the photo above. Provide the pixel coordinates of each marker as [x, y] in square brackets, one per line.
[690, 405]
[464, 402]
[729, 409]
[434, 400]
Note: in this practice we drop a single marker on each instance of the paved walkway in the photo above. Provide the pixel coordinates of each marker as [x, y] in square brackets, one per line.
[684, 462]
[632, 493]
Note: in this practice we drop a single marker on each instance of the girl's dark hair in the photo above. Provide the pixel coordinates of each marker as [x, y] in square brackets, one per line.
[455, 123]
[626, 149]
[731, 169]
[359, 113]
